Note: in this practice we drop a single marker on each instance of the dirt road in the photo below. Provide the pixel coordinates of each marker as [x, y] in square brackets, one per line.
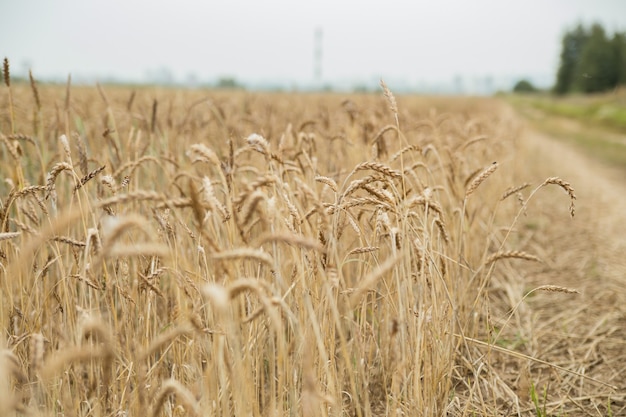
[585, 332]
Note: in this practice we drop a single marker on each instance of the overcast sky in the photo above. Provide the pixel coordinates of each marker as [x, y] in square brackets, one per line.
[415, 41]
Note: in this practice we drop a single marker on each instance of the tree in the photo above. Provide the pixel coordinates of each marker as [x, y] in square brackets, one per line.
[524, 86]
[228, 83]
[619, 48]
[597, 69]
[591, 61]
[571, 51]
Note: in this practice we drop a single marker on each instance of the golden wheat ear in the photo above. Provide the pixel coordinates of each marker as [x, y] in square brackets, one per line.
[568, 189]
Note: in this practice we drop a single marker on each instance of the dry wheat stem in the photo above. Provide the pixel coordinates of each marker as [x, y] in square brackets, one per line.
[354, 290]
[143, 249]
[245, 253]
[61, 359]
[372, 278]
[290, 239]
[171, 386]
[551, 288]
[165, 338]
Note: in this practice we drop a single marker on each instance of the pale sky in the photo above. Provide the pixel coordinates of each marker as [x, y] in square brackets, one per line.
[415, 41]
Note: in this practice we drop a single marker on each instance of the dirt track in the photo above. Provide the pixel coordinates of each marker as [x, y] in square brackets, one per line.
[584, 333]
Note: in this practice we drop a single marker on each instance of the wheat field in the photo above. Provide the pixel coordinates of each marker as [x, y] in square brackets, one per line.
[175, 252]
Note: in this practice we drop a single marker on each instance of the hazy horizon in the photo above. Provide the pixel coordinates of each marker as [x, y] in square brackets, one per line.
[406, 43]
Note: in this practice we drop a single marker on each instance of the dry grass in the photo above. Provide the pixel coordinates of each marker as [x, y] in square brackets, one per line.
[243, 254]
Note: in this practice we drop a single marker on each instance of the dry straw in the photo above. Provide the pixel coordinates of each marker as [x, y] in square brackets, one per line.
[372, 278]
[171, 386]
[244, 253]
[9, 367]
[12, 364]
[495, 347]
[102, 350]
[290, 239]
[339, 261]
[36, 352]
[165, 339]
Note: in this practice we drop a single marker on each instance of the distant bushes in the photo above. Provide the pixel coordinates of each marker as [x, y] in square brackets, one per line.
[524, 86]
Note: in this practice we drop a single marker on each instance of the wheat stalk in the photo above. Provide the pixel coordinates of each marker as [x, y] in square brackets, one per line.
[52, 175]
[378, 167]
[511, 254]
[514, 190]
[245, 253]
[565, 186]
[480, 179]
[171, 386]
[88, 177]
[390, 98]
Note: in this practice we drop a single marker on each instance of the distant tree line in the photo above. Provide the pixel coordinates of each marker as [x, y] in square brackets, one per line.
[591, 61]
